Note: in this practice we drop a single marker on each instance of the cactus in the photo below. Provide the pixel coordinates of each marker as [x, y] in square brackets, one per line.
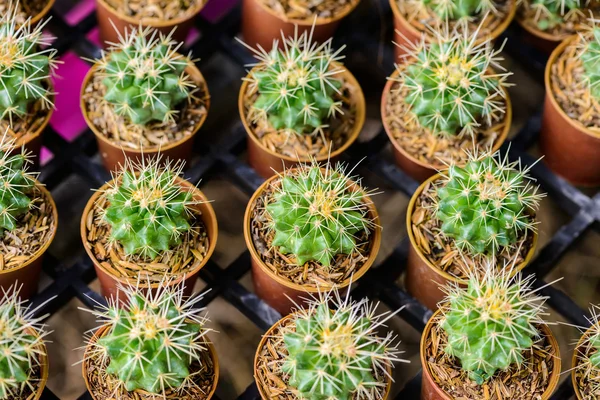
[487, 204]
[148, 211]
[332, 354]
[21, 345]
[315, 215]
[590, 57]
[492, 321]
[296, 85]
[26, 61]
[145, 77]
[151, 344]
[551, 13]
[460, 9]
[450, 85]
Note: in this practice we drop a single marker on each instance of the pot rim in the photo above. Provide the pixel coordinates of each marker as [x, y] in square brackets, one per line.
[552, 380]
[192, 70]
[376, 242]
[309, 21]
[38, 17]
[268, 334]
[42, 250]
[550, 93]
[101, 330]
[156, 23]
[447, 276]
[208, 211]
[575, 358]
[387, 92]
[354, 133]
[44, 365]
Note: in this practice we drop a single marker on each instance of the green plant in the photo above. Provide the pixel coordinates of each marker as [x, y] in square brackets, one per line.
[148, 211]
[491, 322]
[26, 61]
[450, 85]
[145, 77]
[21, 345]
[459, 9]
[316, 215]
[551, 13]
[337, 354]
[487, 204]
[590, 57]
[152, 342]
[296, 85]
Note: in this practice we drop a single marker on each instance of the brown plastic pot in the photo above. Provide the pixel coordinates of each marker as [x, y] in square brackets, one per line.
[269, 333]
[28, 273]
[114, 156]
[280, 293]
[44, 367]
[570, 149]
[431, 391]
[575, 362]
[261, 25]
[107, 16]
[414, 167]
[35, 19]
[103, 330]
[109, 283]
[267, 162]
[423, 279]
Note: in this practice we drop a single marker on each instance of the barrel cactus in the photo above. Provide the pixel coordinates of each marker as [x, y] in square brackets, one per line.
[315, 215]
[491, 322]
[590, 57]
[589, 356]
[460, 9]
[148, 211]
[487, 204]
[551, 13]
[297, 85]
[26, 61]
[145, 77]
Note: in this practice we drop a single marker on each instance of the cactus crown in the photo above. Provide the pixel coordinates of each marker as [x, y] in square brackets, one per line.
[332, 354]
[296, 84]
[590, 57]
[145, 77]
[21, 345]
[487, 204]
[460, 9]
[148, 211]
[26, 61]
[316, 215]
[450, 83]
[491, 322]
[590, 351]
[151, 343]
[550, 13]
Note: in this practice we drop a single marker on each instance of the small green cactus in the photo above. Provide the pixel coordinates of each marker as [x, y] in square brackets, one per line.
[551, 13]
[148, 211]
[152, 343]
[590, 57]
[491, 322]
[21, 345]
[332, 354]
[460, 9]
[296, 85]
[145, 77]
[487, 204]
[26, 61]
[315, 215]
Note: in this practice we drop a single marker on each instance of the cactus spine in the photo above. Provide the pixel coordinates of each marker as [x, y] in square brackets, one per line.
[590, 57]
[460, 9]
[551, 13]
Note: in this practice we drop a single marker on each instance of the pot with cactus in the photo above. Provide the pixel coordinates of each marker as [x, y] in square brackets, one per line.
[460, 217]
[297, 103]
[26, 90]
[148, 223]
[309, 229]
[330, 349]
[155, 345]
[444, 99]
[585, 372]
[23, 10]
[488, 338]
[570, 135]
[142, 98]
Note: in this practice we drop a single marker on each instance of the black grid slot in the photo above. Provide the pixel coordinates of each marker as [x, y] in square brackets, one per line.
[361, 35]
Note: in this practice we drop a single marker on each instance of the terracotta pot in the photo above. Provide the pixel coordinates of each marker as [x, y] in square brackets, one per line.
[28, 273]
[267, 162]
[103, 330]
[570, 149]
[269, 333]
[541, 40]
[280, 293]
[414, 167]
[261, 25]
[406, 33]
[35, 19]
[109, 283]
[107, 16]
[431, 391]
[113, 155]
[423, 279]
[575, 361]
